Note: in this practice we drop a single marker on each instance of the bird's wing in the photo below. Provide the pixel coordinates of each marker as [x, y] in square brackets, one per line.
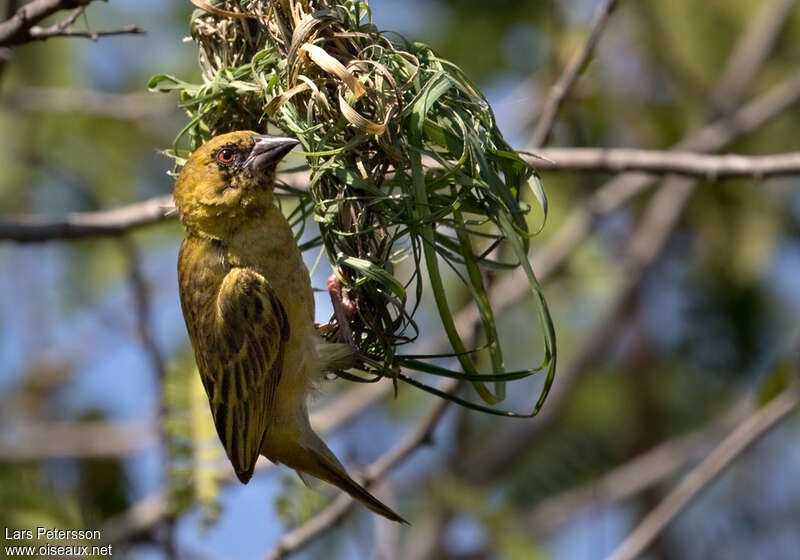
[243, 370]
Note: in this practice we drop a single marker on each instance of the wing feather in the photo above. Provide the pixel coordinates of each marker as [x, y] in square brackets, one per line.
[241, 372]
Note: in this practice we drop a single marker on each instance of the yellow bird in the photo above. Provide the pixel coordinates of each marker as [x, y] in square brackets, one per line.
[249, 309]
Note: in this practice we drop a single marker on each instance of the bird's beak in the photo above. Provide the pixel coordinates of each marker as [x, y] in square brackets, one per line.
[268, 151]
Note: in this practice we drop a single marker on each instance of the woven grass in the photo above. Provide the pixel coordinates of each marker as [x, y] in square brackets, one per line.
[405, 160]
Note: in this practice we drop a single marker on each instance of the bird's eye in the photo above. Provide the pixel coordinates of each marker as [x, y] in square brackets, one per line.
[225, 155]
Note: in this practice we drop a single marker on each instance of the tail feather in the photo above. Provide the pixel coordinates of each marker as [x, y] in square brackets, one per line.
[342, 480]
[315, 459]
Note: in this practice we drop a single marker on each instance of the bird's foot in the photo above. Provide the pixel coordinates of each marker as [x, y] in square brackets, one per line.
[344, 309]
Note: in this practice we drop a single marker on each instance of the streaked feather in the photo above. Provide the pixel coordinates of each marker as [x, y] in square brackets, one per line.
[240, 358]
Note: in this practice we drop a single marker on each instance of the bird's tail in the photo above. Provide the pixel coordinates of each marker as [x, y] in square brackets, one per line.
[314, 458]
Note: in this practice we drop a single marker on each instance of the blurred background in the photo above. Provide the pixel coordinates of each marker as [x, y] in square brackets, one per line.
[675, 305]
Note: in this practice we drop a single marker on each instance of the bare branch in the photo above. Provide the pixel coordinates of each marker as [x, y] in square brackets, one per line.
[701, 166]
[141, 300]
[698, 479]
[116, 221]
[80, 225]
[710, 138]
[560, 90]
[43, 33]
[327, 518]
[21, 27]
[14, 30]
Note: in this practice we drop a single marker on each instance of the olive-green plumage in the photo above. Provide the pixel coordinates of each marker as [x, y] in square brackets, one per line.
[249, 309]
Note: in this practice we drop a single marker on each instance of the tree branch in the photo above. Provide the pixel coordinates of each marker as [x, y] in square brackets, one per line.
[112, 222]
[43, 33]
[80, 225]
[15, 30]
[698, 479]
[657, 162]
[21, 27]
[560, 90]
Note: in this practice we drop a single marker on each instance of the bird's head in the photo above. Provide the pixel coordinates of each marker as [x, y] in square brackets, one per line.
[229, 180]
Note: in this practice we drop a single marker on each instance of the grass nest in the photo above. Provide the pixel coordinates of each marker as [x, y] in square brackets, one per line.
[405, 160]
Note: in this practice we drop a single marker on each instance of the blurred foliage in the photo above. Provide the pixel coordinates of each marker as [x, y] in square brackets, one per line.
[103, 487]
[298, 503]
[194, 452]
[27, 504]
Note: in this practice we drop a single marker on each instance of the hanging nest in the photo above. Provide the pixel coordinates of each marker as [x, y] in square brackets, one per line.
[405, 160]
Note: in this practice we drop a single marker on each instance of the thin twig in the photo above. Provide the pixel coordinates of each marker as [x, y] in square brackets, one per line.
[14, 30]
[658, 162]
[21, 27]
[327, 518]
[560, 91]
[43, 33]
[63, 29]
[699, 479]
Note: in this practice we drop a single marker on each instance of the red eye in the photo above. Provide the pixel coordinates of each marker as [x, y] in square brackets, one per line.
[225, 155]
